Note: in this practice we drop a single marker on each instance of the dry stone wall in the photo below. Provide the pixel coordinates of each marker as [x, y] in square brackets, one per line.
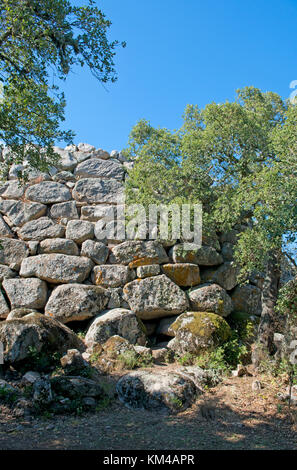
[54, 261]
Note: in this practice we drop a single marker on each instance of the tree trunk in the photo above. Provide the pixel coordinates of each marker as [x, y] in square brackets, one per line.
[269, 298]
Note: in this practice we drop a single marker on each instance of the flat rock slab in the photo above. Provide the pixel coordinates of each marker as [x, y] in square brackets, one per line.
[155, 297]
[57, 268]
[97, 190]
[48, 192]
[167, 392]
[118, 321]
[76, 302]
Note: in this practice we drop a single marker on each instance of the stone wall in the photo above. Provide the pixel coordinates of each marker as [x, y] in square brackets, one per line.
[53, 258]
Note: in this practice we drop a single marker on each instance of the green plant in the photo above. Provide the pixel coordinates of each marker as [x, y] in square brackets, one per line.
[187, 359]
[7, 395]
[41, 360]
[131, 360]
[104, 403]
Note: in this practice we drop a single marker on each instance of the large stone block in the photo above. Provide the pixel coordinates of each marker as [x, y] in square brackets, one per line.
[27, 293]
[155, 297]
[76, 302]
[57, 268]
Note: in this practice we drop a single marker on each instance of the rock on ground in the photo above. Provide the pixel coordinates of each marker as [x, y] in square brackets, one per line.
[156, 391]
[198, 331]
[38, 331]
[119, 321]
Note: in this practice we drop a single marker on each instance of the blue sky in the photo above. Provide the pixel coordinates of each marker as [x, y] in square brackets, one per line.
[179, 53]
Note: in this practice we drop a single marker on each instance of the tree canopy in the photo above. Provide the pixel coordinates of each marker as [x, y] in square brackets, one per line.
[237, 158]
[40, 42]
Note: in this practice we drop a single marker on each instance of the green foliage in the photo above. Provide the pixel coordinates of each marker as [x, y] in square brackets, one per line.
[7, 395]
[237, 158]
[287, 299]
[40, 43]
[41, 361]
[132, 360]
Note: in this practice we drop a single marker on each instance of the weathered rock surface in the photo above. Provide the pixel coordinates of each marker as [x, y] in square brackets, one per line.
[97, 168]
[27, 293]
[21, 212]
[97, 251]
[4, 229]
[76, 302]
[204, 255]
[157, 391]
[155, 297]
[12, 190]
[226, 275]
[20, 313]
[211, 298]
[119, 322]
[95, 213]
[148, 270]
[36, 330]
[164, 326]
[183, 274]
[57, 268]
[6, 272]
[66, 210]
[76, 387]
[4, 309]
[41, 229]
[97, 190]
[79, 230]
[198, 331]
[59, 245]
[13, 252]
[247, 298]
[139, 253]
[112, 275]
[48, 192]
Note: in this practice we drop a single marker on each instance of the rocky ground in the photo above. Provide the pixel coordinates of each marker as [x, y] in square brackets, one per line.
[231, 415]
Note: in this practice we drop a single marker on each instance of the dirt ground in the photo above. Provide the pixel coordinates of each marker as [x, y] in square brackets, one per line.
[240, 419]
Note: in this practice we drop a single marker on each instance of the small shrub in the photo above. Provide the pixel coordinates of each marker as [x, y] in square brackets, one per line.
[132, 360]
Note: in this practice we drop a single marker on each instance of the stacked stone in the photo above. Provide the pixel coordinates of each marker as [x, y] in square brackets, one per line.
[54, 260]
